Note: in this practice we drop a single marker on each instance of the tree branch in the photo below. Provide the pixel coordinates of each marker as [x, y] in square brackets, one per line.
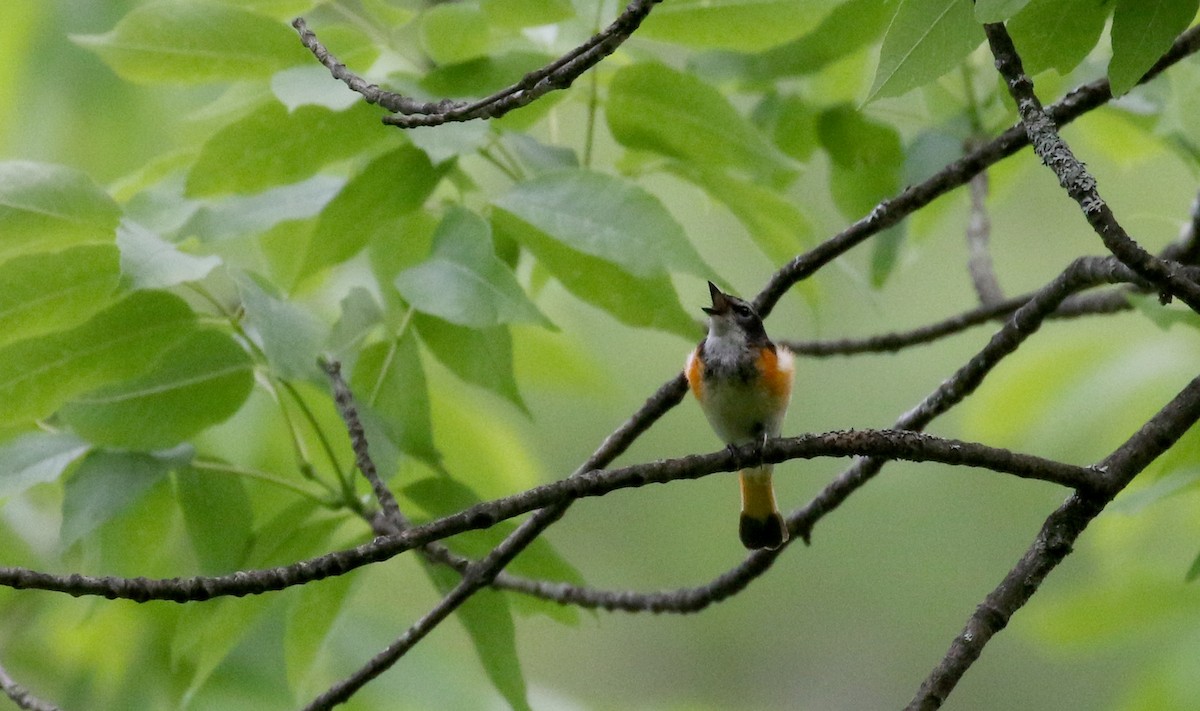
[1054, 542]
[893, 210]
[1074, 177]
[22, 696]
[559, 74]
[588, 483]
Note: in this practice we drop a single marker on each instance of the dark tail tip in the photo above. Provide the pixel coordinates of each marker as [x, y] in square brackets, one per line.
[769, 532]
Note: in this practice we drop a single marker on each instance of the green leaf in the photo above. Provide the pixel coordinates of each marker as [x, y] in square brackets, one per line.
[607, 217]
[527, 13]
[389, 385]
[653, 107]
[182, 41]
[849, 28]
[463, 281]
[442, 496]
[998, 10]
[488, 621]
[748, 25]
[237, 215]
[150, 262]
[312, 616]
[885, 253]
[482, 356]
[775, 224]
[1193, 570]
[360, 316]
[218, 517]
[867, 159]
[925, 39]
[272, 146]
[290, 337]
[37, 375]
[36, 457]
[49, 207]
[50, 291]
[199, 382]
[637, 301]
[105, 484]
[371, 203]
[1142, 31]
[1058, 34]
[454, 32]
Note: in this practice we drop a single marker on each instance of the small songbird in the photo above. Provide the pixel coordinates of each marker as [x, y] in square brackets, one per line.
[743, 382]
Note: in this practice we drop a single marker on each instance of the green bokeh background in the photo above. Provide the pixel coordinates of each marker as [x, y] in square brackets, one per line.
[855, 621]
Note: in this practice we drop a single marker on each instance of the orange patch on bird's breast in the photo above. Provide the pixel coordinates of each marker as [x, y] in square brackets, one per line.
[776, 370]
[695, 374]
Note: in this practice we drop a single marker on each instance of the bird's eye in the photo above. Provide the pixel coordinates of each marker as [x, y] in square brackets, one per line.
[741, 310]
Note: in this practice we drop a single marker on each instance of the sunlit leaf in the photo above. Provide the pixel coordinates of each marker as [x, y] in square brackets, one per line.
[606, 217]
[463, 281]
[49, 207]
[748, 25]
[1058, 34]
[527, 13]
[272, 146]
[454, 32]
[49, 291]
[653, 107]
[179, 41]
[197, 383]
[997, 10]
[926, 39]
[1142, 30]
[125, 339]
[847, 29]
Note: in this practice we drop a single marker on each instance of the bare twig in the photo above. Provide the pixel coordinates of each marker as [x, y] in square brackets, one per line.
[559, 74]
[979, 231]
[21, 696]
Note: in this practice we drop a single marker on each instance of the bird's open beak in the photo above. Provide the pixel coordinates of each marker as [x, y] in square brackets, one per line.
[720, 304]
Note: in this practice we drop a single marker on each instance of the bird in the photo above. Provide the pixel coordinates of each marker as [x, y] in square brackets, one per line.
[743, 382]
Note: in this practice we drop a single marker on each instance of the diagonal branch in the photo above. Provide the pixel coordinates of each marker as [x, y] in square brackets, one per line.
[1074, 177]
[559, 74]
[891, 211]
[21, 696]
[1054, 542]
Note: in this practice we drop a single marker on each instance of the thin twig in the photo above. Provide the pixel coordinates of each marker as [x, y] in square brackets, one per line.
[979, 232]
[559, 74]
[22, 696]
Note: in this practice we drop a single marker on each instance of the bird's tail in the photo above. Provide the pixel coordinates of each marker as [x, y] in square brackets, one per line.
[761, 524]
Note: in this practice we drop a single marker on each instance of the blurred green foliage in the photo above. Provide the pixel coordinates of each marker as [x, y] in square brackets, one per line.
[192, 211]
